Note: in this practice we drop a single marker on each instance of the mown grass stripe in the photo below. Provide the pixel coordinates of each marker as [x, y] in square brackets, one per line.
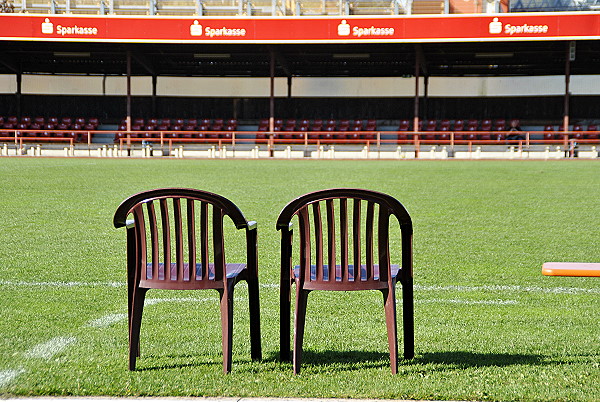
[49, 349]
[7, 376]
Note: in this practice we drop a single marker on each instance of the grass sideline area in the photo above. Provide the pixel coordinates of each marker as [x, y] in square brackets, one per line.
[488, 325]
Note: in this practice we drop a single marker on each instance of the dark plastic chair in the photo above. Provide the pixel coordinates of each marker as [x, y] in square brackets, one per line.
[183, 220]
[367, 217]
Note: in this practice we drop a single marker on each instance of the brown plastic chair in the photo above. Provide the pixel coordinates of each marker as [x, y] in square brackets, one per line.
[170, 233]
[367, 218]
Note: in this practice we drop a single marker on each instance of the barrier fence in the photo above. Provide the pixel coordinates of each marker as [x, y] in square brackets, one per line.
[370, 141]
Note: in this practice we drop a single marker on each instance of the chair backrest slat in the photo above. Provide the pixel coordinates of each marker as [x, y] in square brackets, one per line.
[383, 243]
[318, 231]
[164, 215]
[356, 237]
[191, 232]
[331, 263]
[153, 240]
[343, 240]
[203, 273]
[218, 244]
[179, 260]
[369, 241]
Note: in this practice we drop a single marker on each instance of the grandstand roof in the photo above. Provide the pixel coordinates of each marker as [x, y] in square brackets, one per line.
[443, 46]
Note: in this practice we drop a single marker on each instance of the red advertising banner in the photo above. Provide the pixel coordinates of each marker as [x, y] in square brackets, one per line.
[338, 29]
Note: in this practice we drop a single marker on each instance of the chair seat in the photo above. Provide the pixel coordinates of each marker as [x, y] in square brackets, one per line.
[232, 271]
[338, 277]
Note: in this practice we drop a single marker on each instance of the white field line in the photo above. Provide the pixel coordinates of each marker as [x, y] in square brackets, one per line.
[491, 288]
[508, 288]
[106, 321]
[441, 288]
[49, 349]
[459, 301]
[6, 376]
[60, 284]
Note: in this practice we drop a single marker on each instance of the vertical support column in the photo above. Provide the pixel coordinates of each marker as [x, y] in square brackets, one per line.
[128, 91]
[289, 86]
[272, 94]
[416, 98]
[154, 84]
[18, 94]
[570, 56]
[426, 97]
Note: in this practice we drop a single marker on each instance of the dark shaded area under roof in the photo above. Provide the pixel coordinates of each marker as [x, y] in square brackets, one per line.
[517, 58]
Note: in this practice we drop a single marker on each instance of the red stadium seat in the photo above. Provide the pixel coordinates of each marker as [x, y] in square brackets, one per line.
[344, 125]
[217, 125]
[263, 125]
[357, 125]
[549, 132]
[459, 125]
[486, 125]
[317, 125]
[371, 125]
[472, 125]
[404, 125]
[500, 125]
[593, 133]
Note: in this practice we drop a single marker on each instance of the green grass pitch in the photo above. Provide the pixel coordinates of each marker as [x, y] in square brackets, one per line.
[488, 325]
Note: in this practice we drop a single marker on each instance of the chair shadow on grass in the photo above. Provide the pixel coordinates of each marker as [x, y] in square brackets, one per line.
[464, 359]
[174, 361]
[348, 360]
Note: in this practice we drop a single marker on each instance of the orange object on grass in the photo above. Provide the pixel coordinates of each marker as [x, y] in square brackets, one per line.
[571, 269]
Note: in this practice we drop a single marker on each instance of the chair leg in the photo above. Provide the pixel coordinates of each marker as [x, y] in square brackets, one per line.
[408, 318]
[389, 298]
[137, 309]
[227, 327]
[253, 299]
[299, 320]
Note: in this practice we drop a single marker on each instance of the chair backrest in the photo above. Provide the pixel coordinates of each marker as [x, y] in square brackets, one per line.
[175, 238]
[363, 260]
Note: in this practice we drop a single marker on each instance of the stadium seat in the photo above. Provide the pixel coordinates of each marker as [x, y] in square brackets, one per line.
[549, 132]
[371, 125]
[39, 120]
[53, 120]
[303, 125]
[444, 125]
[318, 270]
[577, 132]
[486, 125]
[472, 125]
[165, 217]
[178, 122]
[263, 125]
[404, 125]
[1, 120]
[191, 122]
[67, 120]
[290, 125]
[94, 121]
[357, 125]
[317, 125]
[500, 125]
[593, 133]
[344, 125]
[459, 125]
[217, 125]
[25, 120]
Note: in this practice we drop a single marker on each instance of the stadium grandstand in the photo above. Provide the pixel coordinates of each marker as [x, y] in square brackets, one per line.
[300, 78]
